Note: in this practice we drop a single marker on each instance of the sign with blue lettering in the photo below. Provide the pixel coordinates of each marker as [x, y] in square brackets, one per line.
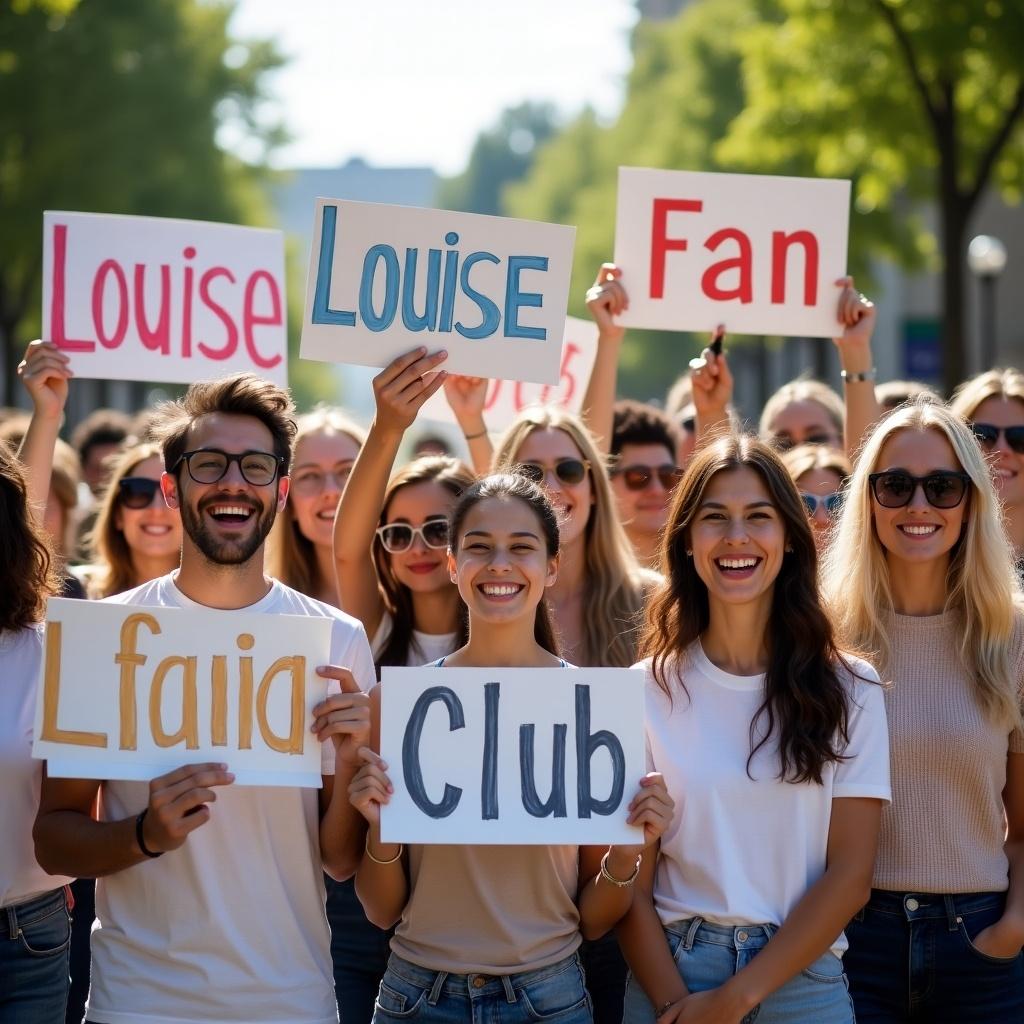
[383, 280]
[512, 755]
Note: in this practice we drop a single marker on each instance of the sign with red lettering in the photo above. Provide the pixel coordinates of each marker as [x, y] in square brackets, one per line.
[760, 254]
[155, 299]
[507, 398]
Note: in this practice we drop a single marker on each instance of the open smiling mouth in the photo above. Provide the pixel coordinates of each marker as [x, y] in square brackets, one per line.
[739, 567]
[920, 530]
[231, 514]
[500, 591]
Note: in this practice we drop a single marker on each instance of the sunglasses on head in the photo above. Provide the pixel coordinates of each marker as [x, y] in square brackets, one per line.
[637, 477]
[568, 471]
[896, 488]
[832, 503]
[137, 491]
[399, 537]
[988, 436]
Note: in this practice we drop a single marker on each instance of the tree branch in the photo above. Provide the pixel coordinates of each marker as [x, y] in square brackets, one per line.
[995, 147]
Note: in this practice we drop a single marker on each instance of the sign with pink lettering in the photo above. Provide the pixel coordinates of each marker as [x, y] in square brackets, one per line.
[760, 254]
[155, 299]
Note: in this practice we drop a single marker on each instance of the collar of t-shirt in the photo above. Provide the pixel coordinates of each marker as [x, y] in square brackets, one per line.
[703, 664]
[264, 604]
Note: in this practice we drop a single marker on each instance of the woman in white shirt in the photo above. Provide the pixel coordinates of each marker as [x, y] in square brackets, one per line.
[774, 747]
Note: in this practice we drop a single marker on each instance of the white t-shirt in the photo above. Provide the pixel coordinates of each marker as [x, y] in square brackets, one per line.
[744, 849]
[425, 648]
[21, 878]
[230, 926]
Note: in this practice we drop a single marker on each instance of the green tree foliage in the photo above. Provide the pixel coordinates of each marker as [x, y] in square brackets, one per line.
[115, 106]
[501, 155]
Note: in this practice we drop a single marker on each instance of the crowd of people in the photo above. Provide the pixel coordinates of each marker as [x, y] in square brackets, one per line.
[828, 616]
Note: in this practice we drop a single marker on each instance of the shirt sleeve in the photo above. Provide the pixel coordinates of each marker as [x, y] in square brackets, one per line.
[865, 771]
[349, 649]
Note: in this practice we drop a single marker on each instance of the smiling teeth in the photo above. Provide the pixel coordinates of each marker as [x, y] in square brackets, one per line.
[229, 510]
[919, 531]
[501, 589]
[737, 563]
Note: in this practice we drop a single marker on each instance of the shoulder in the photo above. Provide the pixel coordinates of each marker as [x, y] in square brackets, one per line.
[345, 628]
[26, 642]
[149, 593]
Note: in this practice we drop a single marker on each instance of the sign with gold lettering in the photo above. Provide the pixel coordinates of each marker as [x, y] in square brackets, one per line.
[132, 692]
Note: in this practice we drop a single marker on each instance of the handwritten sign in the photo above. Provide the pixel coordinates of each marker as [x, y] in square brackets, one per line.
[131, 692]
[507, 398]
[386, 279]
[757, 253]
[148, 298]
[511, 756]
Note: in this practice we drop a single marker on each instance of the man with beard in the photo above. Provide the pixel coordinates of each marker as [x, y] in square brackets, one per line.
[230, 924]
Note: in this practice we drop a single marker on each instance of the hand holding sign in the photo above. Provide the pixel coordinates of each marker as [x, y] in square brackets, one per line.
[857, 315]
[651, 808]
[344, 717]
[606, 299]
[370, 788]
[404, 385]
[45, 372]
[177, 804]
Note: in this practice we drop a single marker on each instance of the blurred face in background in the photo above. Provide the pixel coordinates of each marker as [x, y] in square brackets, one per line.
[320, 470]
[643, 479]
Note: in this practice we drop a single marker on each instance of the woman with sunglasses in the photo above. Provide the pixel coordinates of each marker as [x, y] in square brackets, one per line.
[492, 932]
[919, 576]
[993, 404]
[819, 473]
[773, 744]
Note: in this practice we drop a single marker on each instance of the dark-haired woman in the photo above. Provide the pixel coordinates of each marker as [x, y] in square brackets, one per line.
[493, 932]
[35, 929]
[774, 746]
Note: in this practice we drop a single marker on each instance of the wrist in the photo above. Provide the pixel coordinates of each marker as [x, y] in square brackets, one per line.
[741, 1000]
[145, 845]
[621, 860]
[855, 358]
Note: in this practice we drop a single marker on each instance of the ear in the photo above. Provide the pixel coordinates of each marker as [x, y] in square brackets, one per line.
[453, 573]
[169, 489]
[552, 575]
[283, 487]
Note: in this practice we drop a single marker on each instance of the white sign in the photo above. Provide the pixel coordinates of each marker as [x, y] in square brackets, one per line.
[512, 755]
[131, 692]
[147, 298]
[507, 398]
[760, 254]
[491, 291]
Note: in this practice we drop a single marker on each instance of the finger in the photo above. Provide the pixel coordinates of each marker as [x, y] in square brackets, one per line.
[397, 366]
[204, 779]
[430, 386]
[199, 817]
[371, 757]
[371, 787]
[344, 677]
[191, 800]
[186, 770]
[608, 272]
[415, 370]
[344, 727]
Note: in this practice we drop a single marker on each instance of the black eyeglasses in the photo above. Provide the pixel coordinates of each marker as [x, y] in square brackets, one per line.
[832, 503]
[896, 488]
[399, 537]
[208, 465]
[988, 436]
[137, 491]
[637, 477]
[568, 471]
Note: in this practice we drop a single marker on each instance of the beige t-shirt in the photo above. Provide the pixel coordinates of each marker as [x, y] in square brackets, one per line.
[945, 828]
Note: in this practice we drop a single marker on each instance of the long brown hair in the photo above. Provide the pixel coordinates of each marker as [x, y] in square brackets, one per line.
[453, 476]
[27, 575]
[805, 704]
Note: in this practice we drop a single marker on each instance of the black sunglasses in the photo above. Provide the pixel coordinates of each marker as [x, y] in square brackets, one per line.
[208, 465]
[988, 436]
[896, 488]
[137, 491]
[637, 477]
[399, 537]
[832, 503]
[568, 471]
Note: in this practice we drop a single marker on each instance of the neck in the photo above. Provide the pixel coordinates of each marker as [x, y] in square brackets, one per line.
[145, 568]
[1014, 520]
[918, 588]
[436, 611]
[221, 586]
[646, 546]
[506, 646]
[571, 572]
[736, 639]
[325, 582]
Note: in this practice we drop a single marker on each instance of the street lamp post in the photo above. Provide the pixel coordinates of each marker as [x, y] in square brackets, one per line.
[986, 256]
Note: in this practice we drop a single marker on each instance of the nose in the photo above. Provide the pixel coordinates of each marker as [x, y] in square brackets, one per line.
[233, 477]
[820, 517]
[499, 561]
[918, 502]
[737, 531]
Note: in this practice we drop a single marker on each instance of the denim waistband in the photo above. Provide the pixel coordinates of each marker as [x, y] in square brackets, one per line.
[922, 906]
[480, 984]
[738, 936]
[17, 916]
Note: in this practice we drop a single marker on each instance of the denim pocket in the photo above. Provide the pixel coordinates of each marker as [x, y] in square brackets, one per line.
[827, 968]
[968, 940]
[47, 936]
[398, 998]
[562, 994]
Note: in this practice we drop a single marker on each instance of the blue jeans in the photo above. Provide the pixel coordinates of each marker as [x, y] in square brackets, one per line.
[912, 959]
[359, 951]
[555, 993]
[34, 939]
[708, 955]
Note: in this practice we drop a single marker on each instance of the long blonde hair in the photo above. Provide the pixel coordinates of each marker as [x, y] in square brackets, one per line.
[1008, 384]
[291, 557]
[982, 586]
[614, 580]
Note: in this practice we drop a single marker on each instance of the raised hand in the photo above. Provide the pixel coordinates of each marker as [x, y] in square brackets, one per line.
[343, 717]
[466, 396]
[606, 299]
[401, 388]
[711, 381]
[178, 804]
[856, 314]
[45, 373]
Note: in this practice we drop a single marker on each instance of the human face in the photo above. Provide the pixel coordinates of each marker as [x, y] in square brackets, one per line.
[320, 469]
[738, 539]
[95, 470]
[229, 520]
[153, 531]
[918, 533]
[1007, 465]
[804, 422]
[644, 511]
[501, 563]
[571, 502]
[421, 568]
[821, 483]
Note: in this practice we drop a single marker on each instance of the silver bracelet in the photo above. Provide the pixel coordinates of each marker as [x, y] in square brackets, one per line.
[853, 378]
[621, 883]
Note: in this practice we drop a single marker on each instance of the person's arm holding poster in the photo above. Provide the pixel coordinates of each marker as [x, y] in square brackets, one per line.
[606, 299]
[857, 315]
[712, 387]
[466, 396]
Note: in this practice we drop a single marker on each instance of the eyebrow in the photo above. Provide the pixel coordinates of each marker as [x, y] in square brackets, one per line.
[486, 533]
[316, 465]
[753, 504]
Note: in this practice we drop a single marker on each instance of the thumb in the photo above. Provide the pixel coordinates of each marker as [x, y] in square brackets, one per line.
[345, 678]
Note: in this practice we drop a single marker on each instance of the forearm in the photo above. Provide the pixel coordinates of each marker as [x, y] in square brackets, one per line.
[382, 888]
[71, 843]
[599, 398]
[1013, 914]
[481, 451]
[709, 424]
[643, 943]
[862, 408]
[342, 829]
[36, 455]
[602, 904]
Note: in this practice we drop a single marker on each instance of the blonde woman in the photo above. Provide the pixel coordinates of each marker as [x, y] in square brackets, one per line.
[819, 473]
[803, 411]
[919, 576]
[302, 542]
[993, 404]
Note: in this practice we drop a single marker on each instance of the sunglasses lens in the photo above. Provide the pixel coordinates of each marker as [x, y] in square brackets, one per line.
[1015, 439]
[894, 490]
[810, 503]
[396, 537]
[986, 434]
[137, 492]
[636, 477]
[570, 471]
[435, 533]
[834, 504]
[944, 490]
[669, 476]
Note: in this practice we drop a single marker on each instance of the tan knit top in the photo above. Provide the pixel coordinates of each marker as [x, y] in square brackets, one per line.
[945, 828]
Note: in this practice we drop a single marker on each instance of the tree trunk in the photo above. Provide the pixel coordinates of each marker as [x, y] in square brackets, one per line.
[954, 214]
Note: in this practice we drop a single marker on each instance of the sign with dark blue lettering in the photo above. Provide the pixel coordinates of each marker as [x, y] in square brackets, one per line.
[383, 280]
[512, 755]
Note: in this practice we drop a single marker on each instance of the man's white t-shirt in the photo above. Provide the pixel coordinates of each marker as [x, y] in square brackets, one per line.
[744, 849]
[230, 926]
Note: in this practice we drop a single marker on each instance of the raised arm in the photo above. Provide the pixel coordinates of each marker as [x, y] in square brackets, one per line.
[45, 374]
[399, 390]
[606, 299]
[712, 387]
[466, 396]
[856, 314]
